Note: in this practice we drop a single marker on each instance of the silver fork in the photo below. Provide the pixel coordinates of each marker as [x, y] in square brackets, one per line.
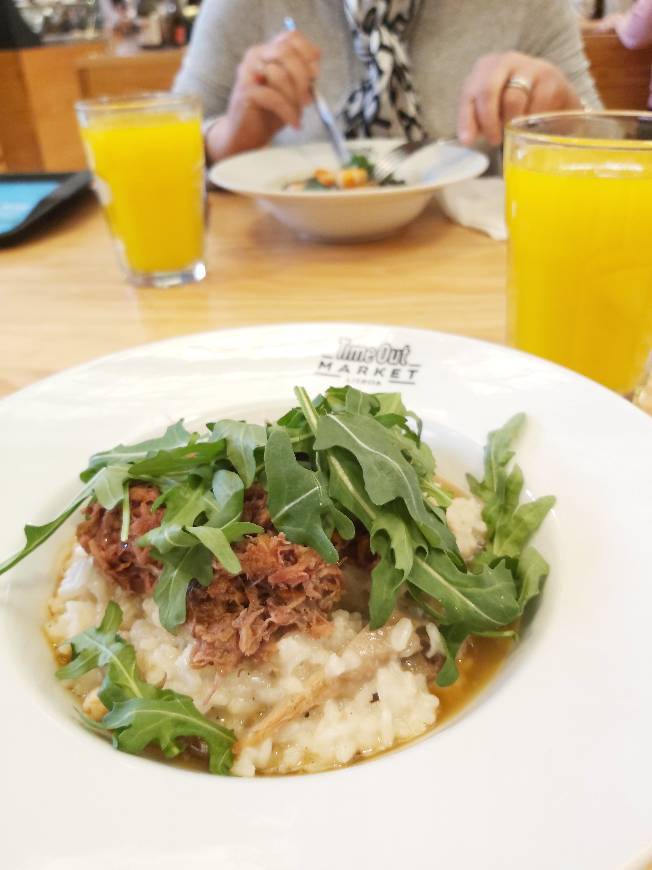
[324, 110]
[387, 165]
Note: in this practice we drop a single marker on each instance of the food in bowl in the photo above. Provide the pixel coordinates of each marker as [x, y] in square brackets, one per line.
[358, 173]
[290, 597]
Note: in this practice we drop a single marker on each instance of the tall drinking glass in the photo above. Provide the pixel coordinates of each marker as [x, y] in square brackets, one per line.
[147, 157]
[579, 212]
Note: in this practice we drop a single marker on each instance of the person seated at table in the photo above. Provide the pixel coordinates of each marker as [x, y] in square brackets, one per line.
[404, 68]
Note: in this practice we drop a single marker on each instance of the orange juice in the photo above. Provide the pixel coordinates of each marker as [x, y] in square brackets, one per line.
[149, 173]
[580, 263]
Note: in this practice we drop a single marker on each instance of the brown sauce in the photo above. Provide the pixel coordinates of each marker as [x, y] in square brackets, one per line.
[483, 658]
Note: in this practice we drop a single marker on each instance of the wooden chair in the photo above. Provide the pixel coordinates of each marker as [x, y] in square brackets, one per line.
[110, 75]
[622, 76]
[38, 87]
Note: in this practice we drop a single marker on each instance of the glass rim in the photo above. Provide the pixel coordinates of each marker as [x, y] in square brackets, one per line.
[136, 102]
[520, 127]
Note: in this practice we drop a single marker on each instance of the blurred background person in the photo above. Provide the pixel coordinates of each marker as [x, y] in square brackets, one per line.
[392, 67]
[14, 31]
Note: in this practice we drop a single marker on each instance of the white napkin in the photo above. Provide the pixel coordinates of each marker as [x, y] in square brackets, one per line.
[478, 203]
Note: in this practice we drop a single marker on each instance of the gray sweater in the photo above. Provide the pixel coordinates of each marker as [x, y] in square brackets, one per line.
[444, 40]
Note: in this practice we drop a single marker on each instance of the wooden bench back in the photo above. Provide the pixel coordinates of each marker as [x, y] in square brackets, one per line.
[622, 76]
[111, 76]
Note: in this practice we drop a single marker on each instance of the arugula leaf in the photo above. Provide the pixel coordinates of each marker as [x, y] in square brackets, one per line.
[395, 539]
[453, 637]
[184, 504]
[357, 402]
[102, 647]
[498, 452]
[293, 497]
[139, 722]
[216, 541]
[126, 512]
[498, 491]
[180, 460]
[138, 713]
[390, 404]
[509, 525]
[417, 452]
[37, 535]
[504, 501]
[186, 548]
[108, 485]
[440, 537]
[392, 412]
[387, 475]
[532, 570]
[347, 488]
[94, 647]
[174, 436]
[362, 162]
[228, 491]
[180, 567]
[340, 520]
[242, 440]
[435, 495]
[391, 527]
[292, 419]
[386, 583]
[514, 532]
[486, 600]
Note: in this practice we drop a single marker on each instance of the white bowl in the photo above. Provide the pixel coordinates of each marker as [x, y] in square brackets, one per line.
[345, 215]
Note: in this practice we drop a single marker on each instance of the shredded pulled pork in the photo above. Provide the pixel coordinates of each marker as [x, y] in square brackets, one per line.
[281, 586]
[123, 562]
[255, 508]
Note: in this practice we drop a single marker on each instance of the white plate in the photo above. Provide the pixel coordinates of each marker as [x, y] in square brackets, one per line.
[345, 215]
[553, 766]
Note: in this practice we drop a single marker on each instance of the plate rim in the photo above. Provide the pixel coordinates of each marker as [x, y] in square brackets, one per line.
[309, 324]
[342, 195]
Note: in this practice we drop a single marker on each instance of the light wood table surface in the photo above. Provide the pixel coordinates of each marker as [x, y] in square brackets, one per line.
[64, 300]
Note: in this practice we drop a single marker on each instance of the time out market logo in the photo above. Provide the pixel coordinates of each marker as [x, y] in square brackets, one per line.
[371, 365]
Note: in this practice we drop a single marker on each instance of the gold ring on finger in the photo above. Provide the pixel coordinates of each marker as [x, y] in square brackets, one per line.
[521, 84]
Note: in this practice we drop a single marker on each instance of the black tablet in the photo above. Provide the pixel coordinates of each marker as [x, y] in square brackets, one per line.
[26, 198]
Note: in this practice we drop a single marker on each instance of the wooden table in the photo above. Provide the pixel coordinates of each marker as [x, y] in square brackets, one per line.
[64, 300]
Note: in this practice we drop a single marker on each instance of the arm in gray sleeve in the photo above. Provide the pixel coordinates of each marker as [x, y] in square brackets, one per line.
[551, 32]
[223, 31]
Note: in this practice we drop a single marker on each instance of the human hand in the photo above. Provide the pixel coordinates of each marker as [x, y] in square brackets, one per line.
[273, 85]
[488, 99]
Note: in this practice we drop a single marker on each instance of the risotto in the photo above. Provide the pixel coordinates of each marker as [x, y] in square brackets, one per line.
[390, 704]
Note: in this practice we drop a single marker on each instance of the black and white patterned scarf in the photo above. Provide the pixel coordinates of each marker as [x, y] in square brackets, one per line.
[385, 102]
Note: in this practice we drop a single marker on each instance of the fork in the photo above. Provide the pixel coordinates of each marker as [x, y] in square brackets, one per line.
[387, 165]
[323, 109]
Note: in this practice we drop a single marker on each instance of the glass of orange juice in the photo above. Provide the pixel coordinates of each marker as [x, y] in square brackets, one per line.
[147, 157]
[579, 213]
